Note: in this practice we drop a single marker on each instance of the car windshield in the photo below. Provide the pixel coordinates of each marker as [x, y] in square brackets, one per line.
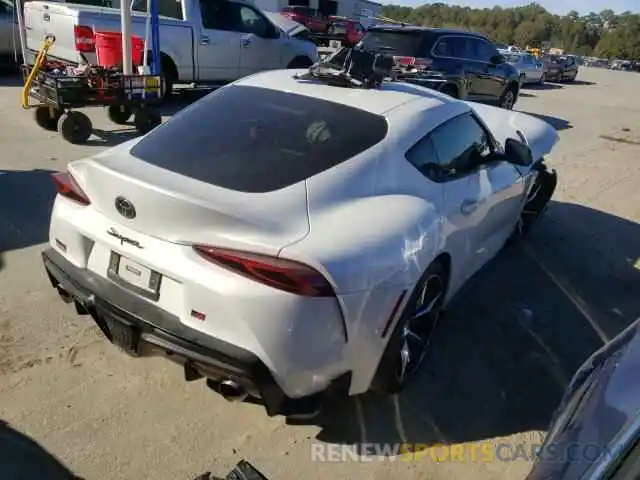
[513, 58]
[399, 43]
[255, 139]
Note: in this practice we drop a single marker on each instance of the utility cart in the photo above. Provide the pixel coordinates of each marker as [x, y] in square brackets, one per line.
[59, 90]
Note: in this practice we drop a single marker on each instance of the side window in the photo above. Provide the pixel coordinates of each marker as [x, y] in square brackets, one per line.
[464, 47]
[486, 51]
[219, 15]
[461, 145]
[423, 156]
[251, 21]
[444, 47]
[166, 8]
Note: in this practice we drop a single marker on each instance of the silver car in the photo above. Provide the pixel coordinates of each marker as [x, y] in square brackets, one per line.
[530, 68]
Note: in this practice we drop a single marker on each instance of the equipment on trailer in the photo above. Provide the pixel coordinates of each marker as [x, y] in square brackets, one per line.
[58, 88]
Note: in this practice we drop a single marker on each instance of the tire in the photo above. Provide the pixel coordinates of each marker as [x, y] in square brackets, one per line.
[119, 114]
[537, 199]
[43, 117]
[393, 373]
[508, 98]
[300, 62]
[75, 127]
[146, 119]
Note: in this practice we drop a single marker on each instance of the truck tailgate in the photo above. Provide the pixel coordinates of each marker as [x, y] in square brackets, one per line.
[43, 18]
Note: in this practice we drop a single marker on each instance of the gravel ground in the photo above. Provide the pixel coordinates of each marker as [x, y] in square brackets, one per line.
[510, 344]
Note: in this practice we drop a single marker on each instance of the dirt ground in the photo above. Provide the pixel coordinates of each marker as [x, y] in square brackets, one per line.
[511, 342]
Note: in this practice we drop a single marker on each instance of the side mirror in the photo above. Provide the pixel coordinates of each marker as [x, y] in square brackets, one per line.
[272, 31]
[517, 152]
[496, 59]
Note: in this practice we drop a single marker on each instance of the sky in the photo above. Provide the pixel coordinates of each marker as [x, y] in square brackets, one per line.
[559, 7]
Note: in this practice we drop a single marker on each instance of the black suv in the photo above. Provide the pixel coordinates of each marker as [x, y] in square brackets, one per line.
[462, 64]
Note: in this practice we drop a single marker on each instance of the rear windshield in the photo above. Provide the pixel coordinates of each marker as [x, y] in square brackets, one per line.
[253, 139]
[400, 43]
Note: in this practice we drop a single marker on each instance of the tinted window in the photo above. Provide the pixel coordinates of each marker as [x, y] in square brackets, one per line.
[457, 47]
[400, 43]
[485, 50]
[423, 156]
[461, 144]
[252, 22]
[257, 140]
[230, 16]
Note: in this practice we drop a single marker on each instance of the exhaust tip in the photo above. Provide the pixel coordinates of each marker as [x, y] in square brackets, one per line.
[64, 295]
[230, 390]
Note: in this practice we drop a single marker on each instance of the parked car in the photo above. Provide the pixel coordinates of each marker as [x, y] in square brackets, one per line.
[560, 68]
[462, 64]
[350, 29]
[307, 16]
[530, 68]
[202, 42]
[218, 246]
[595, 434]
[9, 37]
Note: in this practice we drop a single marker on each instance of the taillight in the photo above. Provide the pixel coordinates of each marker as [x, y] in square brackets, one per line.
[84, 38]
[287, 275]
[69, 188]
[412, 62]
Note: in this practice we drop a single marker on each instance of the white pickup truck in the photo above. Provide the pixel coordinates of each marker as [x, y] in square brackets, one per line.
[201, 41]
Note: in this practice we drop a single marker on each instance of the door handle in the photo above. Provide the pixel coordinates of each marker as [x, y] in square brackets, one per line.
[468, 207]
[46, 17]
[204, 40]
[246, 43]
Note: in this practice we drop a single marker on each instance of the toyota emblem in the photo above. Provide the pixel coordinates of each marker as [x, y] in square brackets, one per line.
[125, 208]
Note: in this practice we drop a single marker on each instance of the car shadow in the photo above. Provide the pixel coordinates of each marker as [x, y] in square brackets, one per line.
[511, 340]
[555, 122]
[181, 98]
[526, 94]
[582, 82]
[26, 198]
[22, 458]
[544, 86]
[10, 78]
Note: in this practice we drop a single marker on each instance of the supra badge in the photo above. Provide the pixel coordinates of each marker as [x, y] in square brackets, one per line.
[114, 233]
[125, 208]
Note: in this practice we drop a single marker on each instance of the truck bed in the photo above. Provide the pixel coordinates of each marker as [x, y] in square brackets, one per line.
[59, 19]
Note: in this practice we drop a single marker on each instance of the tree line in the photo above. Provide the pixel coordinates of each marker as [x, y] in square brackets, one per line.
[604, 34]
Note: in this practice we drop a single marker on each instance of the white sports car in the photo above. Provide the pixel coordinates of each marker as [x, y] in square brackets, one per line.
[285, 237]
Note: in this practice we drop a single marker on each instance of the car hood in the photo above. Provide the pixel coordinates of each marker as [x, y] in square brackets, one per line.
[540, 135]
[288, 26]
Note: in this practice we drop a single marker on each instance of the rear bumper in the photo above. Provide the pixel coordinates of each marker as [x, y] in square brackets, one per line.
[142, 329]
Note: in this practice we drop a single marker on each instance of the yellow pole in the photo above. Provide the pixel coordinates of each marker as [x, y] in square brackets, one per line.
[42, 54]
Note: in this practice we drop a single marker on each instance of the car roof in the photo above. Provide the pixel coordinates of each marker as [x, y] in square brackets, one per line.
[437, 31]
[380, 101]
